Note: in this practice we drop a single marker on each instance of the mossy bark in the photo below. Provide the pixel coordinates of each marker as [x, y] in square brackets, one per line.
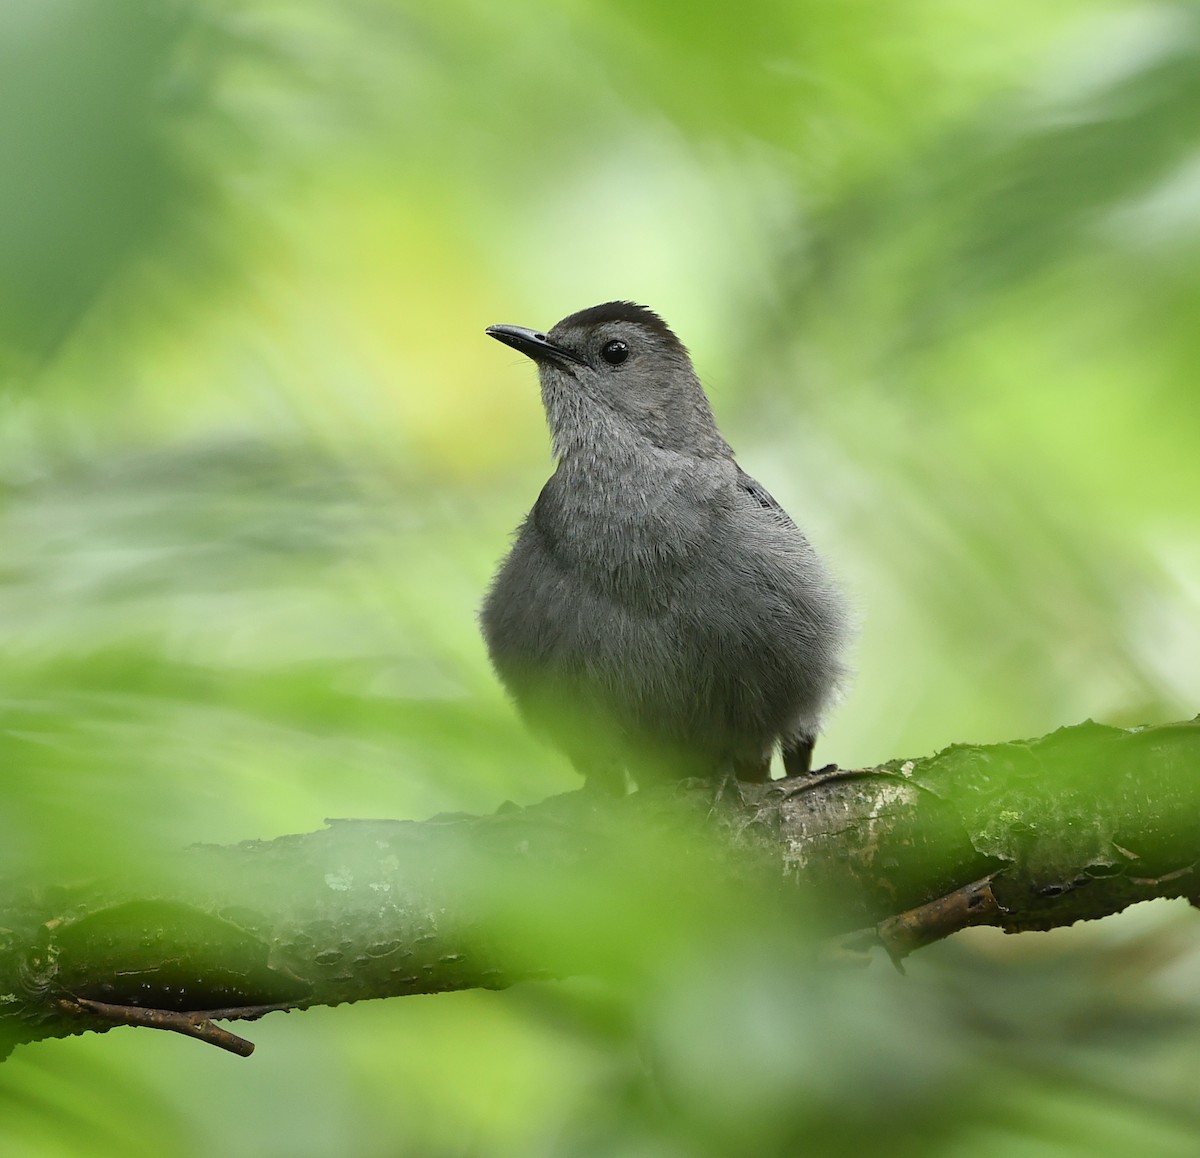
[1025, 835]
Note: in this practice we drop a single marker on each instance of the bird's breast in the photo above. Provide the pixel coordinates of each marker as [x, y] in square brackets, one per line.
[633, 528]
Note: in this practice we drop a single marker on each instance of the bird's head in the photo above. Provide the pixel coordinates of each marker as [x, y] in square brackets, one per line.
[616, 371]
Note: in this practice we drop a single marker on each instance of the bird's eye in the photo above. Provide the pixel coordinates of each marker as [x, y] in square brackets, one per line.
[614, 353]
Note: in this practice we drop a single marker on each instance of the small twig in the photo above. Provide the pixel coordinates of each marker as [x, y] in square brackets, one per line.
[197, 1025]
[972, 904]
[250, 1012]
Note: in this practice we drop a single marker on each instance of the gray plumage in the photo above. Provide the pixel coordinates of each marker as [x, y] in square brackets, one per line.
[659, 613]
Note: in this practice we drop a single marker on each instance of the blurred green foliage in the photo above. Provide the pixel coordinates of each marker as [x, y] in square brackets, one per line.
[936, 262]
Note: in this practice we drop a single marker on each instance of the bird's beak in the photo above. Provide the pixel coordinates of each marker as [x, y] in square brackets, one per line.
[533, 344]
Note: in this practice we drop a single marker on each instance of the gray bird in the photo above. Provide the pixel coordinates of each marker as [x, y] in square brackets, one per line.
[659, 613]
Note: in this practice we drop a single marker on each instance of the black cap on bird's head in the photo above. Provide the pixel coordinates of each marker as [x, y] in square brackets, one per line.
[618, 360]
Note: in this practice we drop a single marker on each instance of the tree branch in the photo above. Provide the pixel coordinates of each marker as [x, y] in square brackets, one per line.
[1027, 835]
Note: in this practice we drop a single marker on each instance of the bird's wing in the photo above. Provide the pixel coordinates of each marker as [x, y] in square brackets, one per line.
[762, 496]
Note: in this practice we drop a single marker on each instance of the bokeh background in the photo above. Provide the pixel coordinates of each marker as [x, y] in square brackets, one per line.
[937, 263]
